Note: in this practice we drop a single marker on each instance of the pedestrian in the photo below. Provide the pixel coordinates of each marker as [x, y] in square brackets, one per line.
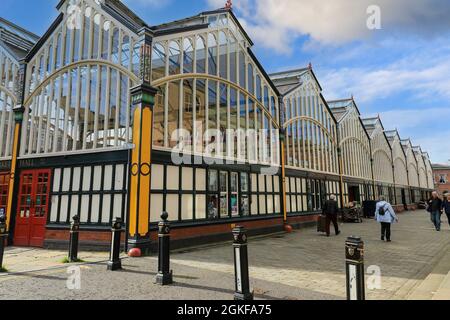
[435, 210]
[331, 211]
[385, 215]
[446, 206]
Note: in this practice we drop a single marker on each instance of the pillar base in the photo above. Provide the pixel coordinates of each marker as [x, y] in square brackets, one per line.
[164, 279]
[145, 245]
[243, 296]
[114, 266]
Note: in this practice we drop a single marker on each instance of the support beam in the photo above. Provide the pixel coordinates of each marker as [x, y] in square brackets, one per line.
[140, 166]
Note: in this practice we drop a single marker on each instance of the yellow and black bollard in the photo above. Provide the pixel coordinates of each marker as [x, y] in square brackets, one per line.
[354, 254]
[114, 262]
[165, 275]
[74, 239]
[241, 265]
[3, 237]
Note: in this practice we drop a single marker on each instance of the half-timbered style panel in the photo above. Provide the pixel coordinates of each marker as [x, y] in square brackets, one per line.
[354, 146]
[381, 157]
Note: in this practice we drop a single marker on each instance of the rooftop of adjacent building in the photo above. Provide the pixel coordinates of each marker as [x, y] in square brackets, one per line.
[16, 39]
[440, 166]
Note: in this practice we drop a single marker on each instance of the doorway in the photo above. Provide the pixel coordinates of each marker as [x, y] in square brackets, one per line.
[4, 189]
[353, 194]
[32, 208]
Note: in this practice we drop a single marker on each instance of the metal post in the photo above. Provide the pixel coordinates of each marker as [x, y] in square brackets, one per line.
[354, 253]
[241, 265]
[165, 275]
[114, 262]
[3, 237]
[74, 237]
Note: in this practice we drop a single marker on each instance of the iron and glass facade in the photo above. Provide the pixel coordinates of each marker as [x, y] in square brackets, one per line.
[229, 143]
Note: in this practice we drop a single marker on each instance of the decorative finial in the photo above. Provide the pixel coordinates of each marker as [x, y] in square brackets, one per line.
[310, 66]
[229, 4]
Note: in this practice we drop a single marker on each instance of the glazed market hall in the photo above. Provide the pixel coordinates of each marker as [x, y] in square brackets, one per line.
[91, 112]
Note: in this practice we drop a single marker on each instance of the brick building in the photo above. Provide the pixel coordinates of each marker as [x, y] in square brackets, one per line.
[441, 173]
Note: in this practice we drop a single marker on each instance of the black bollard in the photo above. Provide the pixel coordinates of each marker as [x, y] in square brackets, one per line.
[354, 254]
[74, 239]
[114, 262]
[3, 237]
[241, 265]
[165, 275]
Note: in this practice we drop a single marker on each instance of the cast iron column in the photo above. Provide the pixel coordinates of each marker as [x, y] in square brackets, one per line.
[140, 166]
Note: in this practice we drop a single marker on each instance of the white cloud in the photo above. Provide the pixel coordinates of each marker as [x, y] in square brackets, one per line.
[423, 75]
[335, 21]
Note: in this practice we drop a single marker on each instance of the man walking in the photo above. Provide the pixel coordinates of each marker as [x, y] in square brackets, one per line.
[435, 209]
[385, 215]
[331, 210]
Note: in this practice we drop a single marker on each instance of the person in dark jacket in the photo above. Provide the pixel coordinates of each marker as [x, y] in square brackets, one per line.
[446, 206]
[331, 210]
[435, 209]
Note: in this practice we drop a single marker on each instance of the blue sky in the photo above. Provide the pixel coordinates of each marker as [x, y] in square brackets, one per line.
[401, 71]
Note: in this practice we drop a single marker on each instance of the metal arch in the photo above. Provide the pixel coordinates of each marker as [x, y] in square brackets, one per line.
[357, 140]
[165, 80]
[313, 121]
[10, 94]
[74, 65]
[381, 151]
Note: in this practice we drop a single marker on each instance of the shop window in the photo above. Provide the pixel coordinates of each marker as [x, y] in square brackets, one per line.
[223, 187]
[234, 194]
[245, 200]
[213, 197]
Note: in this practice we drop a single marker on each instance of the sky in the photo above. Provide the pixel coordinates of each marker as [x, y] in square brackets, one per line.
[399, 70]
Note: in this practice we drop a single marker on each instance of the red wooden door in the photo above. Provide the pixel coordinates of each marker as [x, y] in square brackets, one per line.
[33, 208]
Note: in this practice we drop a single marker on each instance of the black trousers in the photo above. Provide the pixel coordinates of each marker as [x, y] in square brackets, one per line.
[332, 218]
[386, 230]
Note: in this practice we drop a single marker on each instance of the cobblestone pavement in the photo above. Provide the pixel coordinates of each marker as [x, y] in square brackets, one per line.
[301, 265]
